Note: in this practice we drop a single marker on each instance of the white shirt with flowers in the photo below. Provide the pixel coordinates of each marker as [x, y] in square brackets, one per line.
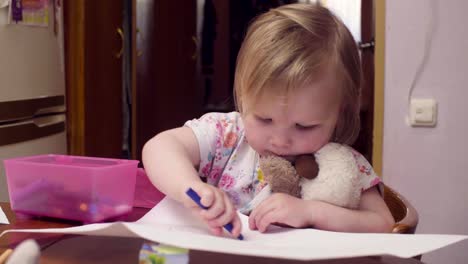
[228, 162]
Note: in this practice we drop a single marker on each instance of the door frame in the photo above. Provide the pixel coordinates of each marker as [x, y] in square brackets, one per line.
[74, 27]
[379, 74]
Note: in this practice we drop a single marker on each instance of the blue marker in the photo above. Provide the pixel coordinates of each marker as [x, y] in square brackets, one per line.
[196, 198]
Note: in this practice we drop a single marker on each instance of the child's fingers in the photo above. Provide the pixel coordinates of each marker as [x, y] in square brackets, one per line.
[237, 226]
[229, 211]
[217, 207]
[267, 219]
[204, 191]
[207, 195]
[230, 216]
[252, 215]
[220, 210]
[217, 231]
[259, 212]
[226, 215]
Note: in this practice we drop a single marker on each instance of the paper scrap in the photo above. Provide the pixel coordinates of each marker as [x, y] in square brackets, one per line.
[3, 218]
[170, 223]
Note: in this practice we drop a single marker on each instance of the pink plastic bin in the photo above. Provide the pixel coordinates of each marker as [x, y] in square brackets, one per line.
[84, 189]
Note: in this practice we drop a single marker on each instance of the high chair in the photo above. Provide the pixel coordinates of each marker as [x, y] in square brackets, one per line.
[405, 215]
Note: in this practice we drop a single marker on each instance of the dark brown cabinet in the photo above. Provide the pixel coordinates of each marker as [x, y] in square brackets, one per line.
[166, 94]
[93, 77]
[127, 83]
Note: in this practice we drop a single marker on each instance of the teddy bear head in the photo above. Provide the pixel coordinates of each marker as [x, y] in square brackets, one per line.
[331, 175]
[284, 177]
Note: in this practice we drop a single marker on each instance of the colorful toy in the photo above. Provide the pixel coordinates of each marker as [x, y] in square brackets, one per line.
[330, 175]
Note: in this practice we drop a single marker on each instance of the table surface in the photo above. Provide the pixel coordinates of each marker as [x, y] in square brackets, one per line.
[96, 249]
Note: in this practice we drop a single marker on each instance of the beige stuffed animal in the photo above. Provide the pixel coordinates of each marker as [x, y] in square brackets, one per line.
[330, 175]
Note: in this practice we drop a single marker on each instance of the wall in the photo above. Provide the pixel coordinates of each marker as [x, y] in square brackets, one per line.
[31, 66]
[429, 165]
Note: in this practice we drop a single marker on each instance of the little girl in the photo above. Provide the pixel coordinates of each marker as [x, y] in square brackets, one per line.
[297, 87]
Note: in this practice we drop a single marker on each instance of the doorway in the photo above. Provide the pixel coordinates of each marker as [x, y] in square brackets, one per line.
[175, 75]
[182, 51]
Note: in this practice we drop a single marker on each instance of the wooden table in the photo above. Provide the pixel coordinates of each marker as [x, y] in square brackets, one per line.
[95, 249]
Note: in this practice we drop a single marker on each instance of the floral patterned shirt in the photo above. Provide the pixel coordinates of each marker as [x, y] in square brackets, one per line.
[228, 162]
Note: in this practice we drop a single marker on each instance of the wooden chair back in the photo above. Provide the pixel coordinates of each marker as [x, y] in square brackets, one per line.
[405, 215]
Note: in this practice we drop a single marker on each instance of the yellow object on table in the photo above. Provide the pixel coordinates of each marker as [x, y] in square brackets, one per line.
[155, 253]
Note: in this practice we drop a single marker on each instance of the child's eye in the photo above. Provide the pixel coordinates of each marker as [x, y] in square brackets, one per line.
[304, 127]
[264, 120]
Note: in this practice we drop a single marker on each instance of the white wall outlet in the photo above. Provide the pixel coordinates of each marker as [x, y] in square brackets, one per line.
[423, 112]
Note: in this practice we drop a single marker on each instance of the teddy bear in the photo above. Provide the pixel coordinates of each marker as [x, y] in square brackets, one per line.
[330, 175]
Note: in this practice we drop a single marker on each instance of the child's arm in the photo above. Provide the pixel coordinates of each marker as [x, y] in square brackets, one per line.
[372, 215]
[170, 160]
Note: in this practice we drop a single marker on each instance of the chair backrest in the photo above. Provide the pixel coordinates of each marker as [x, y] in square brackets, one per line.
[405, 215]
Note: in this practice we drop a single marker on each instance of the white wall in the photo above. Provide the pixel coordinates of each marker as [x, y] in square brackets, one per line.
[429, 165]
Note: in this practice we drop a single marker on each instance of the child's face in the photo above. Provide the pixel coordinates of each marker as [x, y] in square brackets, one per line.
[301, 123]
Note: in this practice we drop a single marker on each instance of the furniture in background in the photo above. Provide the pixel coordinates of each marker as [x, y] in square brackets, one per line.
[405, 215]
[130, 73]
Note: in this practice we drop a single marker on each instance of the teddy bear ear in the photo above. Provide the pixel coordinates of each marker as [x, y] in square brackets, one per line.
[306, 166]
[274, 167]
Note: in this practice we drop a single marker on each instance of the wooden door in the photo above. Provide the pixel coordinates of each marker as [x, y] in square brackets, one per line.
[166, 94]
[94, 77]
[364, 143]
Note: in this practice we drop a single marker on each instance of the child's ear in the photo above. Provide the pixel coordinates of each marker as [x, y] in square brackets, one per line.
[306, 166]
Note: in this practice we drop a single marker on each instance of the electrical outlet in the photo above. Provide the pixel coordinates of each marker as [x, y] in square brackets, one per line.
[423, 112]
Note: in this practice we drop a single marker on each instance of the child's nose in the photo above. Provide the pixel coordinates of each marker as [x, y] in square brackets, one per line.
[280, 142]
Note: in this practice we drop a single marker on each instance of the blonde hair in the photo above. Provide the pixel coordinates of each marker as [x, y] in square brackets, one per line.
[290, 45]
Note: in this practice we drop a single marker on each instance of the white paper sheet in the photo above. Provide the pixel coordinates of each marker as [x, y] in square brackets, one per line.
[3, 218]
[172, 224]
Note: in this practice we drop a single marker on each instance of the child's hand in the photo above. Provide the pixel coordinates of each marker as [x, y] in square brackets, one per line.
[220, 209]
[281, 209]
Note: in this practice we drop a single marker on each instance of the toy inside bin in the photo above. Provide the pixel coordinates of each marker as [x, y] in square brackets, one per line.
[84, 189]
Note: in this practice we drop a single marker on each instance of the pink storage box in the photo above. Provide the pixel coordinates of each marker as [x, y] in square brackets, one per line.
[84, 189]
